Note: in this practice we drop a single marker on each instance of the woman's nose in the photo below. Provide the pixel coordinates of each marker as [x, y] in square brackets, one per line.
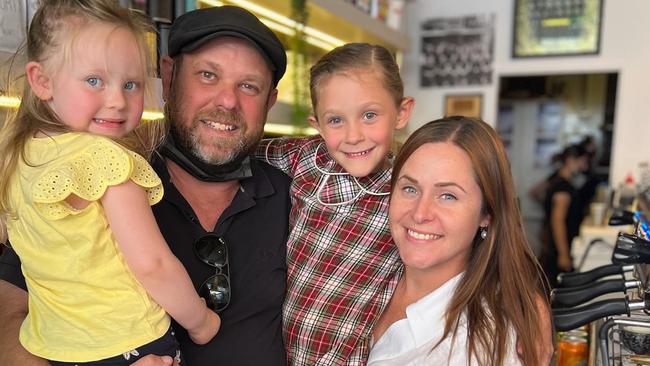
[424, 210]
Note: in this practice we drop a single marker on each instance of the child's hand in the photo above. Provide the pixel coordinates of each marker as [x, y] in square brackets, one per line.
[208, 328]
[153, 360]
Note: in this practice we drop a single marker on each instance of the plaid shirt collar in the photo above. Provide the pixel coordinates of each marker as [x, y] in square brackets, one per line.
[324, 163]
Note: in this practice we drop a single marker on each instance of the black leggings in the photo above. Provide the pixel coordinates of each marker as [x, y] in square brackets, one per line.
[163, 346]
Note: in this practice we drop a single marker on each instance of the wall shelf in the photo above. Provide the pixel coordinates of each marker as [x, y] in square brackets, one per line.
[343, 21]
[359, 24]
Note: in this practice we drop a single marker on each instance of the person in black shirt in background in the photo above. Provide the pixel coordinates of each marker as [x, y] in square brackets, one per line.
[589, 180]
[563, 214]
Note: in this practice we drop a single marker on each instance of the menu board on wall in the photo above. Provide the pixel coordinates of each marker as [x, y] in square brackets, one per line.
[558, 27]
[13, 24]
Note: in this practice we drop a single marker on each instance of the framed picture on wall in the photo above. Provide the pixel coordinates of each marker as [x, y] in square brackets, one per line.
[468, 105]
[556, 28]
[457, 51]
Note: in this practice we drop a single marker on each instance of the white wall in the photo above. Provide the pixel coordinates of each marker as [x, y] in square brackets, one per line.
[624, 48]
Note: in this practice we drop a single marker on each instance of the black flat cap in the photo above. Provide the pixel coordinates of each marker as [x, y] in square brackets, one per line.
[192, 29]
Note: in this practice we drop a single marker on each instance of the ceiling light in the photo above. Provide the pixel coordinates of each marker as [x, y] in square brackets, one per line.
[152, 115]
[291, 32]
[9, 101]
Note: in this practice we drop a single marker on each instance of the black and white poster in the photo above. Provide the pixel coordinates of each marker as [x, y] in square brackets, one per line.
[457, 51]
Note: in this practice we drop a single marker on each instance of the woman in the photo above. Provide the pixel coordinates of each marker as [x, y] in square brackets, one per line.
[563, 213]
[471, 286]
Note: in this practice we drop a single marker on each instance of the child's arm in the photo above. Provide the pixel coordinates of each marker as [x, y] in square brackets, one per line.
[282, 153]
[152, 262]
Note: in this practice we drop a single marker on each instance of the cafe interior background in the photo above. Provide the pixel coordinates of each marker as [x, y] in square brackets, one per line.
[544, 73]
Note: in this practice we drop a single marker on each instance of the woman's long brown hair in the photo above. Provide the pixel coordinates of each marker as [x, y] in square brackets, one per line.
[503, 285]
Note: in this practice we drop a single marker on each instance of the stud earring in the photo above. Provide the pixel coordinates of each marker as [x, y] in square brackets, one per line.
[484, 232]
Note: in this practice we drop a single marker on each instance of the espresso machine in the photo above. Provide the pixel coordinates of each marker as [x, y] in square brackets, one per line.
[623, 332]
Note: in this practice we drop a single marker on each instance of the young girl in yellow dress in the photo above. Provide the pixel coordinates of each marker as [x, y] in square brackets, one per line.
[75, 200]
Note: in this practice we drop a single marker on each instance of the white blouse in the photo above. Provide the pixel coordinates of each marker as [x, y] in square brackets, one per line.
[410, 341]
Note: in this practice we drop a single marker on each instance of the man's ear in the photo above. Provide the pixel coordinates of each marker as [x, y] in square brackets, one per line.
[273, 97]
[166, 73]
[404, 113]
[38, 80]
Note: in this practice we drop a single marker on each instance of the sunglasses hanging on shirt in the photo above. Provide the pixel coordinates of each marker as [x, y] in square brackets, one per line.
[213, 251]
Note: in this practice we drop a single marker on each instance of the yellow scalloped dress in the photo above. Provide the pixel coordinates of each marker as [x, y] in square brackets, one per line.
[84, 302]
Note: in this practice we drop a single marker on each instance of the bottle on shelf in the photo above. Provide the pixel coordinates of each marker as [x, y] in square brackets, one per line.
[625, 195]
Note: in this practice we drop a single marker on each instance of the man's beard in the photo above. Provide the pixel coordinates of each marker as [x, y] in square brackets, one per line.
[218, 150]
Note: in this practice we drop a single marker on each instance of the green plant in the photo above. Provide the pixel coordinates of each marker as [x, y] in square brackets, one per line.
[300, 98]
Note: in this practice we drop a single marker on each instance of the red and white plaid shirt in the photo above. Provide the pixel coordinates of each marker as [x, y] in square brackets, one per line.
[342, 263]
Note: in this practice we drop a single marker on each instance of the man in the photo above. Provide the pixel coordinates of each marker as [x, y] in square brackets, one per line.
[219, 82]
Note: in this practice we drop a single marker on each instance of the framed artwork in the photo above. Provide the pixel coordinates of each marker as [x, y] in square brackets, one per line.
[468, 105]
[556, 28]
[457, 51]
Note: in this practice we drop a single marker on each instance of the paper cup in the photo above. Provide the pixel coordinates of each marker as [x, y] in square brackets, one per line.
[598, 212]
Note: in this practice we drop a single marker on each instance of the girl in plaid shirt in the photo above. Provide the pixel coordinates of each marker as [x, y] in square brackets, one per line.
[342, 263]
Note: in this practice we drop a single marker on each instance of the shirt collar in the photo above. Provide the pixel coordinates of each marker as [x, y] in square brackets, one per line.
[256, 186]
[259, 184]
[423, 325]
[426, 317]
[378, 182]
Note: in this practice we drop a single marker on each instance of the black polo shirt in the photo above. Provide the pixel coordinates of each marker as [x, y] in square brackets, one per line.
[255, 228]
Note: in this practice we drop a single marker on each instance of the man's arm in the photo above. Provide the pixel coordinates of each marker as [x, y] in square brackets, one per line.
[13, 309]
